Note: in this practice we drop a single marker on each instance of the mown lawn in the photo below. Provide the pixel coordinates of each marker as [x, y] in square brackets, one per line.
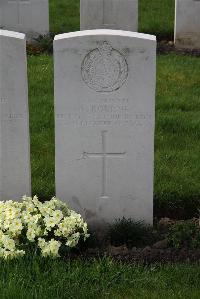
[177, 163]
[155, 16]
[40, 278]
[177, 174]
[177, 140]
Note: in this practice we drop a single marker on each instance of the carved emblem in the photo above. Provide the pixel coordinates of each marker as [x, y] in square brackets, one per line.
[104, 69]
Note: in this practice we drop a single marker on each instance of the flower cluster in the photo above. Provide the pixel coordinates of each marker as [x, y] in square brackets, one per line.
[47, 225]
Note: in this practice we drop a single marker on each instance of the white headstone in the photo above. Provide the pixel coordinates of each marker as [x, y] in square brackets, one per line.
[27, 16]
[109, 14]
[14, 120]
[104, 107]
[187, 24]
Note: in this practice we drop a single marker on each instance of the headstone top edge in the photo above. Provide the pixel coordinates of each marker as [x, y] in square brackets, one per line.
[13, 34]
[98, 32]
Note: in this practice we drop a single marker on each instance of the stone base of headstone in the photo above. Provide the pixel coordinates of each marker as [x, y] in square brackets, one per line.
[185, 41]
[187, 24]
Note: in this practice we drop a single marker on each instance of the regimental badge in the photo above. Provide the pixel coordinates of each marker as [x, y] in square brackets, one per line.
[104, 69]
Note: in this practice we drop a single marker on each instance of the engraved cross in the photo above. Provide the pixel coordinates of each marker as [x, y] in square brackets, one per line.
[18, 2]
[104, 155]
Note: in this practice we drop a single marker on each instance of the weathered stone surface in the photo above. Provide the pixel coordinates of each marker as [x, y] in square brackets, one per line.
[104, 110]
[14, 120]
[27, 16]
[109, 14]
[118, 250]
[187, 24]
[161, 244]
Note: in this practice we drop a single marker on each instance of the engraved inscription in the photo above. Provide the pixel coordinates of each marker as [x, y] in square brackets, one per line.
[103, 155]
[13, 116]
[104, 69]
[105, 112]
[3, 100]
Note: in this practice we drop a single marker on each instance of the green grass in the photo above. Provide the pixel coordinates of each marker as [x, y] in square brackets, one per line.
[177, 171]
[40, 279]
[64, 15]
[177, 174]
[155, 16]
[42, 125]
[177, 164]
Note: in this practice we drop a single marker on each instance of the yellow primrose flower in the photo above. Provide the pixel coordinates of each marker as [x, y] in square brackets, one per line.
[8, 243]
[30, 235]
[16, 226]
[50, 221]
[58, 215]
[37, 221]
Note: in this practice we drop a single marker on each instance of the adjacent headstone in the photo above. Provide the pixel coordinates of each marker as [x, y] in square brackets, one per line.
[187, 24]
[104, 107]
[14, 120]
[109, 14]
[27, 16]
